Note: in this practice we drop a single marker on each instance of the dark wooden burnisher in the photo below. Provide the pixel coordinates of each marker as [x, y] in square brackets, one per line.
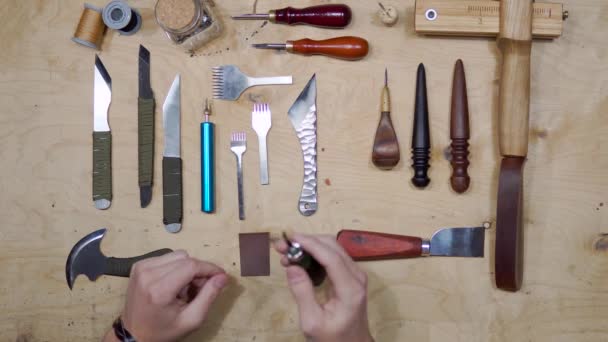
[459, 131]
[421, 137]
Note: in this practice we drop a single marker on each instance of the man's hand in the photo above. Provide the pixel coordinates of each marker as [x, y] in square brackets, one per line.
[169, 296]
[344, 316]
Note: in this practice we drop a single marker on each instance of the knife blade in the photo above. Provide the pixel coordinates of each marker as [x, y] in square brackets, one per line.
[452, 242]
[145, 125]
[303, 117]
[102, 137]
[172, 163]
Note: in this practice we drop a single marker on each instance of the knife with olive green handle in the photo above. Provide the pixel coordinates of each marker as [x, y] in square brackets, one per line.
[102, 138]
[145, 128]
[172, 162]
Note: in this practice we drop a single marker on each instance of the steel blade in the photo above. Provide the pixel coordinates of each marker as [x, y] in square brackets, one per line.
[145, 90]
[102, 96]
[86, 258]
[171, 120]
[305, 103]
[458, 242]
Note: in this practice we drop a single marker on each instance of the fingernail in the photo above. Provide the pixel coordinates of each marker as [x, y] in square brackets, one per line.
[220, 281]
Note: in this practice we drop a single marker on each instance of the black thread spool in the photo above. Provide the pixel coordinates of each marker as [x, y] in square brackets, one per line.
[421, 137]
[119, 16]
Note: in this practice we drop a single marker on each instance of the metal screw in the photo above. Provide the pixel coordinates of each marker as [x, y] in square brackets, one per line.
[430, 14]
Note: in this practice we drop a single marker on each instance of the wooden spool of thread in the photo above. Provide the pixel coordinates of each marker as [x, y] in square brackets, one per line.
[91, 27]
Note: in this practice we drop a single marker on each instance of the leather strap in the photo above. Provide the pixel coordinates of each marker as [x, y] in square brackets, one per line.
[509, 232]
[121, 332]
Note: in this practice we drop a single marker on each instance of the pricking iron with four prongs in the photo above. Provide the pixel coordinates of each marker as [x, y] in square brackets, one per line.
[229, 82]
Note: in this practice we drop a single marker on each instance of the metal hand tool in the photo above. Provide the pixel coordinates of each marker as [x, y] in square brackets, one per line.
[207, 162]
[452, 242]
[421, 137]
[261, 122]
[145, 127]
[330, 16]
[296, 255]
[102, 138]
[172, 162]
[348, 48]
[238, 146]
[229, 82]
[385, 153]
[86, 258]
[303, 116]
[459, 131]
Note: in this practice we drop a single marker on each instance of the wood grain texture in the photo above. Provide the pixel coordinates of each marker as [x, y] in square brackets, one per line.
[367, 246]
[515, 44]
[481, 18]
[346, 47]
[46, 86]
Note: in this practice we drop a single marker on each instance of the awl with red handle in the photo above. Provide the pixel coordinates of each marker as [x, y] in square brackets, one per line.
[348, 47]
[329, 16]
[453, 242]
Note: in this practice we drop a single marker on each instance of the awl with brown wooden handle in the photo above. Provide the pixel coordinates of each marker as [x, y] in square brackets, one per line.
[347, 47]
[385, 153]
[328, 16]
[453, 242]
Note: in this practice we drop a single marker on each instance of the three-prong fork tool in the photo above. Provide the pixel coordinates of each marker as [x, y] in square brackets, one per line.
[261, 123]
[238, 146]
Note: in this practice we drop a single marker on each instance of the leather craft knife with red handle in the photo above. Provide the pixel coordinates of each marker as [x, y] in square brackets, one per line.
[453, 242]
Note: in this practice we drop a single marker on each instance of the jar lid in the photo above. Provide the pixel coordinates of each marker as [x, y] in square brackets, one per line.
[175, 14]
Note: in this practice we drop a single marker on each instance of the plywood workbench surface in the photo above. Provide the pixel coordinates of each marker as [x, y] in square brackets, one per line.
[46, 88]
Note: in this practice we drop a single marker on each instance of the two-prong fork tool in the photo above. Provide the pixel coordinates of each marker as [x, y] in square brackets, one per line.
[261, 123]
[238, 146]
[229, 82]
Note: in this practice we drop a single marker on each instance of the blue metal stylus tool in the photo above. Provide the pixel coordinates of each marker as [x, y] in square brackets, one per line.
[207, 162]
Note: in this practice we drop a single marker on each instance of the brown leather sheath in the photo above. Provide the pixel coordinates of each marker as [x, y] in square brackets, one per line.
[509, 232]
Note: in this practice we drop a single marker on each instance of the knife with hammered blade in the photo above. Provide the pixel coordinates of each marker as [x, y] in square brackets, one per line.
[102, 138]
[303, 116]
[145, 127]
[172, 162]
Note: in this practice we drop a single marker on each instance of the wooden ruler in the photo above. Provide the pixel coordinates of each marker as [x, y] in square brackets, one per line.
[481, 18]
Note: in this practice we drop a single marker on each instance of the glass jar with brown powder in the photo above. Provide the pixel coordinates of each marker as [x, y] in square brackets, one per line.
[188, 23]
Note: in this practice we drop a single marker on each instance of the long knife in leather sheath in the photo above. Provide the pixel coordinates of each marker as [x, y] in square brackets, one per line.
[102, 138]
[172, 162]
[145, 127]
[303, 116]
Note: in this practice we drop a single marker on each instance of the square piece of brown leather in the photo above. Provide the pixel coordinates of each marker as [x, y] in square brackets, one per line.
[255, 254]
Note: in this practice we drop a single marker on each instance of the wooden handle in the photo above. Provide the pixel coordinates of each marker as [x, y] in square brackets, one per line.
[348, 47]
[515, 43]
[421, 136]
[459, 131]
[385, 153]
[362, 245]
[332, 16]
